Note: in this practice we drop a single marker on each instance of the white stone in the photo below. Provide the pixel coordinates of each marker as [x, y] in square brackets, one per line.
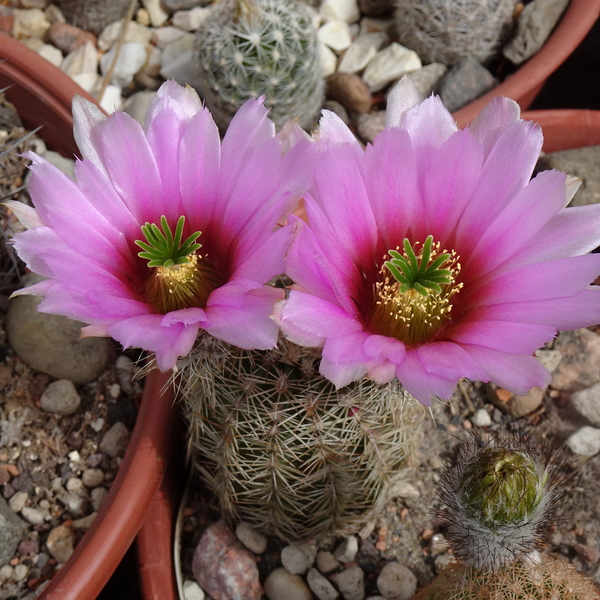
[361, 51]
[6, 572]
[112, 32]
[390, 64]
[335, 34]
[281, 585]
[549, 358]
[178, 61]
[82, 60]
[190, 20]
[34, 44]
[88, 81]
[328, 60]
[54, 14]
[20, 572]
[17, 501]
[351, 583]
[52, 54]
[192, 591]
[111, 99]
[157, 15]
[482, 418]
[153, 61]
[30, 22]
[404, 489]
[143, 17]
[346, 551]
[298, 558]
[131, 59]
[585, 441]
[32, 515]
[137, 105]
[166, 35]
[343, 10]
[321, 586]
[254, 540]
[396, 582]
[327, 562]
[587, 403]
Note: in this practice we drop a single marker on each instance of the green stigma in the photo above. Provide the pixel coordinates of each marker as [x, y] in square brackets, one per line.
[165, 249]
[417, 273]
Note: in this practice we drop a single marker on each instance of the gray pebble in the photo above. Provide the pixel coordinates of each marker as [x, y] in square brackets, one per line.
[370, 125]
[20, 572]
[347, 550]
[60, 543]
[84, 523]
[298, 558]
[282, 585]
[17, 501]
[32, 515]
[11, 531]
[466, 81]
[351, 583]
[115, 440]
[6, 571]
[97, 497]
[482, 418]
[396, 582]
[76, 504]
[321, 586]
[60, 397]
[74, 484]
[92, 478]
[587, 403]
[327, 562]
[251, 538]
[585, 441]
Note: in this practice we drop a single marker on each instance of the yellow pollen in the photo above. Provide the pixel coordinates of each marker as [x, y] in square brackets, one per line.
[411, 317]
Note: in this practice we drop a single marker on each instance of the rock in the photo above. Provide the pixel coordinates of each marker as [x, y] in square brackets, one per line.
[166, 35]
[327, 562]
[190, 20]
[482, 418]
[328, 60]
[92, 478]
[68, 37]
[515, 406]
[84, 523]
[585, 441]
[298, 558]
[533, 28]
[369, 25]
[82, 60]
[32, 515]
[88, 81]
[370, 125]
[97, 497]
[281, 585]
[587, 554]
[335, 107]
[375, 8]
[361, 51]
[350, 91]
[111, 99]
[34, 44]
[178, 63]
[17, 501]
[251, 538]
[192, 591]
[29, 23]
[6, 573]
[321, 586]
[132, 57]
[28, 547]
[20, 572]
[466, 81]
[76, 504]
[335, 34]
[135, 33]
[342, 10]
[157, 15]
[223, 567]
[347, 550]
[549, 358]
[390, 64]
[137, 105]
[172, 6]
[115, 440]
[580, 365]
[51, 54]
[587, 403]
[61, 543]
[427, 78]
[583, 164]
[351, 583]
[125, 373]
[54, 14]
[396, 582]
[60, 397]
[12, 530]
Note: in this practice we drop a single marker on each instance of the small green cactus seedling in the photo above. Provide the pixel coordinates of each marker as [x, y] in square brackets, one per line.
[282, 448]
[251, 48]
[445, 31]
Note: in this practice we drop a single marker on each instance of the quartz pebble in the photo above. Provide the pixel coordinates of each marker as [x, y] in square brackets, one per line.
[335, 34]
[115, 440]
[327, 562]
[20, 572]
[585, 441]
[32, 515]
[60, 397]
[136, 105]
[321, 586]
[82, 60]
[251, 538]
[298, 558]
[361, 51]
[328, 60]
[396, 582]
[6, 572]
[482, 418]
[157, 15]
[192, 591]
[390, 64]
[60, 543]
[347, 550]
[190, 20]
[130, 60]
[135, 33]
[427, 78]
[177, 61]
[111, 99]
[17, 501]
[29, 23]
[282, 585]
[51, 54]
[587, 403]
[343, 10]
[351, 583]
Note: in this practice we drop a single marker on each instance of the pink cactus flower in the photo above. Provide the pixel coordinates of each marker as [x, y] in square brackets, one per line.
[166, 231]
[431, 255]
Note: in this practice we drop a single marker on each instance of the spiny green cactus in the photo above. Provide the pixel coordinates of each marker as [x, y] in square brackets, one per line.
[250, 48]
[446, 31]
[547, 578]
[282, 448]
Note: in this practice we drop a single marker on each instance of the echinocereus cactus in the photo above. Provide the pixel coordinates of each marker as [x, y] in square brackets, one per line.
[498, 502]
[446, 31]
[431, 256]
[282, 448]
[167, 231]
[250, 48]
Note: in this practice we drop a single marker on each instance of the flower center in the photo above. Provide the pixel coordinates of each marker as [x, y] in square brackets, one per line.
[179, 278]
[411, 301]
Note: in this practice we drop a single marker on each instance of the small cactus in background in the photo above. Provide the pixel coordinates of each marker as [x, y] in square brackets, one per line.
[499, 501]
[250, 48]
[282, 448]
[445, 31]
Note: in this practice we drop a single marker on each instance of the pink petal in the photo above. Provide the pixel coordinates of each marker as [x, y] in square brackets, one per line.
[379, 346]
[171, 96]
[27, 215]
[429, 124]
[342, 374]
[333, 131]
[493, 119]
[449, 361]
[404, 96]
[88, 119]
[187, 316]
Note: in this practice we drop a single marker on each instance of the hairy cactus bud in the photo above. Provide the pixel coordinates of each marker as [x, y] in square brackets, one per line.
[499, 499]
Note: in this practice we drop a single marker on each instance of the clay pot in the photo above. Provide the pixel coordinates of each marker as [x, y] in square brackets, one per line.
[525, 84]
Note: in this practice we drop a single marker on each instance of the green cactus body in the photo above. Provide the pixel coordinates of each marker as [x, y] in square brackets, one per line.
[250, 48]
[446, 31]
[547, 578]
[285, 451]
